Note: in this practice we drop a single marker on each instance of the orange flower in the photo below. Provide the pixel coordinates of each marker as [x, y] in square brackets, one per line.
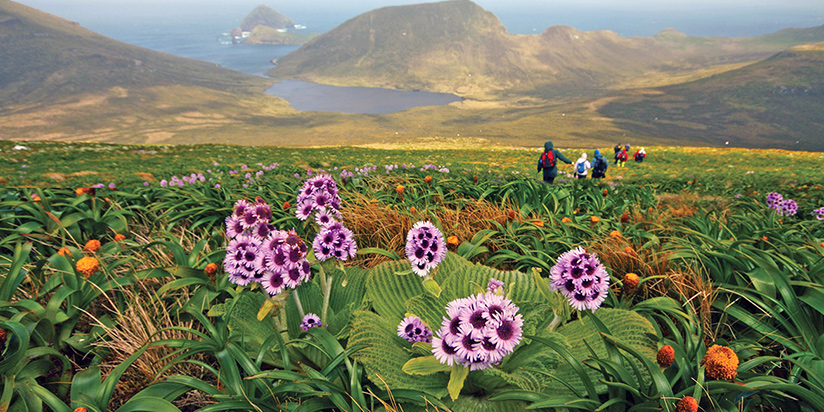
[538, 223]
[629, 250]
[80, 409]
[92, 246]
[666, 356]
[510, 214]
[373, 201]
[428, 179]
[615, 234]
[118, 237]
[399, 189]
[624, 217]
[84, 190]
[87, 266]
[566, 220]
[36, 198]
[822, 244]
[594, 219]
[649, 210]
[687, 404]
[474, 179]
[413, 210]
[286, 205]
[721, 363]
[452, 241]
[211, 269]
[64, 251]
[606, 192]
[631, 281]
[764, 238]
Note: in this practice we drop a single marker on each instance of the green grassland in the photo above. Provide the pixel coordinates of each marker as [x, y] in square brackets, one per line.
[128, 283]
[83, 164]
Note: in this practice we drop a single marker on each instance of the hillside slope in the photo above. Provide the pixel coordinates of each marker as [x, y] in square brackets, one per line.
[457, 46]
[45, 58]
[777, 102]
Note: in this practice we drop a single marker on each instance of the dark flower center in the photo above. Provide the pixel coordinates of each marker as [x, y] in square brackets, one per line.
[506, 331]
[477, 319]
[453, 326]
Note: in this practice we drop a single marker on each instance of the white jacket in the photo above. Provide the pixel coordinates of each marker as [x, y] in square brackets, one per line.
[587, 166]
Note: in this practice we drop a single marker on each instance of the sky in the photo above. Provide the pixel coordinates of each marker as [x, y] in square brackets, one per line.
[625, 17]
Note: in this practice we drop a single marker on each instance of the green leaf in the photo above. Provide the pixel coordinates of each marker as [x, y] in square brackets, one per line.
[432, 287]
[456, 380]
[424, 365]
[384, 355]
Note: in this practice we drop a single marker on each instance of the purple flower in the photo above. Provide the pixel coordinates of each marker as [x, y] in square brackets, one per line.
[310, 321]
[495, 286]
[819, 213]
[477, 331]
[334, 240]
[145, 183]
[774, 199]
[414, 330]
[581, 278]
[425, 247]
[788, 208]
[319, 193]
[217, 185]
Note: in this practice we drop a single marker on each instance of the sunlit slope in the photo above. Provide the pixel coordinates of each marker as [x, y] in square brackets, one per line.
[45, 58]
[457, 46]
[778, 102]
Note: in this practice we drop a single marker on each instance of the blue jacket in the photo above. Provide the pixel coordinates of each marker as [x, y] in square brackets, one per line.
[551, 172]
[598, 156]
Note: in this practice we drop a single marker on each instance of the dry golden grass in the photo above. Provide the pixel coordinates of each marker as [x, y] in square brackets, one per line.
[385, 225]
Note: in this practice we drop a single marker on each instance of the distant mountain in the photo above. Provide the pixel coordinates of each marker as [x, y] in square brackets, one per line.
[777, 102]
[44, 58]
[457, 46]
[264, 16]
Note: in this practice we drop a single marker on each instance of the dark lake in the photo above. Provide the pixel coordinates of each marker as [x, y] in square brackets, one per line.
[308, 96]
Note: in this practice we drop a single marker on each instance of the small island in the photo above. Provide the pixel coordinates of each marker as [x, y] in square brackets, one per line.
[263, 25]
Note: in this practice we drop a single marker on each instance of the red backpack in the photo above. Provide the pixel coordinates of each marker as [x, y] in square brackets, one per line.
[548, 159]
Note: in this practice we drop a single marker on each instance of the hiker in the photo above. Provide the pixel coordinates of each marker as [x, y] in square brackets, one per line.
[627, 147]
[599, 165]
[617, 151]
[549, 162]
[622, 157]
[640, 155]
[581, 166]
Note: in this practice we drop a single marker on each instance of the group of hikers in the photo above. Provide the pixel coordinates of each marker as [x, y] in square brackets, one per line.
[548, 162]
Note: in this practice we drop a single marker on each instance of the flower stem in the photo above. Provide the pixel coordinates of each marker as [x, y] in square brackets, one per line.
[297, 302]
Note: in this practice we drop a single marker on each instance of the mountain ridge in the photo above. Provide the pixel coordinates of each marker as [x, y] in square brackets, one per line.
[458, 47]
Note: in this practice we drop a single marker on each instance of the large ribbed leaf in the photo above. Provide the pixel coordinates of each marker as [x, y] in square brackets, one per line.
[242, 318]
[628, 326]
[527, 368]
[483, 404]
[389, 291]
[385, 354]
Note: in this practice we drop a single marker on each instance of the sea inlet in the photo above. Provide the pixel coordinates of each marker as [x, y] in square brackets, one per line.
[308, 96]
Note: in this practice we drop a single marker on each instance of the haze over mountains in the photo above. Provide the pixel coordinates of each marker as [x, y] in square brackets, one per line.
[754, 92]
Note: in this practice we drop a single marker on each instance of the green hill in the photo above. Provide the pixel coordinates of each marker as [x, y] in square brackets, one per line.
[457, 46]
[777, 102]
[45, 58]
[264, 16]
[267, 35]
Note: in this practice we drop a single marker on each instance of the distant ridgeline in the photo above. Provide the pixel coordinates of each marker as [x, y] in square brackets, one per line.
[266, 26]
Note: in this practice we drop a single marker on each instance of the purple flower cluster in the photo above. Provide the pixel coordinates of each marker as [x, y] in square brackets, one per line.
[478, 331]
[334, 240]
[310, 321]
[425, 247]
[257, 252]
[581, 278]
[784, 207]
[318, 194]
[819, 213]
[414, 330]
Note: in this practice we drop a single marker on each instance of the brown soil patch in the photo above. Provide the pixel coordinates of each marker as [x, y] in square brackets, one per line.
[83, 173]
[56, 176]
